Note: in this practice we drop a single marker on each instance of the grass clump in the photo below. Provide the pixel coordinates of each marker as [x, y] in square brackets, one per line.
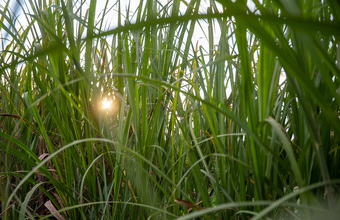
[242, 126]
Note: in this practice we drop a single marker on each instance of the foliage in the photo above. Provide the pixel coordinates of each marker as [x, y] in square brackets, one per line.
[246, 127]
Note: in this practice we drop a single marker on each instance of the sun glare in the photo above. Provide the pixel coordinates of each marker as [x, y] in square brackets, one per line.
[107, 104]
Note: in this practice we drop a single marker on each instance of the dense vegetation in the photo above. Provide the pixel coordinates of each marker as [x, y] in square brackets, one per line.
[245, 127]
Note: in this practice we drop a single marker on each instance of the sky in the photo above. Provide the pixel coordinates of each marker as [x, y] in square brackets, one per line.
[110, 21]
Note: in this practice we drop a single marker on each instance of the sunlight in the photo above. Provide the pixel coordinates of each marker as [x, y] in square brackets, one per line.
[107, 104]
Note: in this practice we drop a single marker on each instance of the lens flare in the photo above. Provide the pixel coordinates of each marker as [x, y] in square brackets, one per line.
[107, 104]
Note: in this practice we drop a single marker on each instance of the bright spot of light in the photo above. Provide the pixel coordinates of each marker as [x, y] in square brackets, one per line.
[107, 104]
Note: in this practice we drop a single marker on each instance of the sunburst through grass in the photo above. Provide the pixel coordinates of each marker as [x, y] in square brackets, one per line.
[107, 104]
[136, 120]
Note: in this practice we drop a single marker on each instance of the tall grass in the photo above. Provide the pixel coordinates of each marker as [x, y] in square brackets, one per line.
[244, 127]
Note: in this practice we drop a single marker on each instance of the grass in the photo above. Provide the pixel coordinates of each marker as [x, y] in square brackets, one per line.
[246, 126]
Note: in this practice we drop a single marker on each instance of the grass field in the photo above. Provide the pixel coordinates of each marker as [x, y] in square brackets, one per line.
[244, 126]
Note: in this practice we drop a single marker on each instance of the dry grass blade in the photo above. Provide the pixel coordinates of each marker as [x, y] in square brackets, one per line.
[53, 210]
